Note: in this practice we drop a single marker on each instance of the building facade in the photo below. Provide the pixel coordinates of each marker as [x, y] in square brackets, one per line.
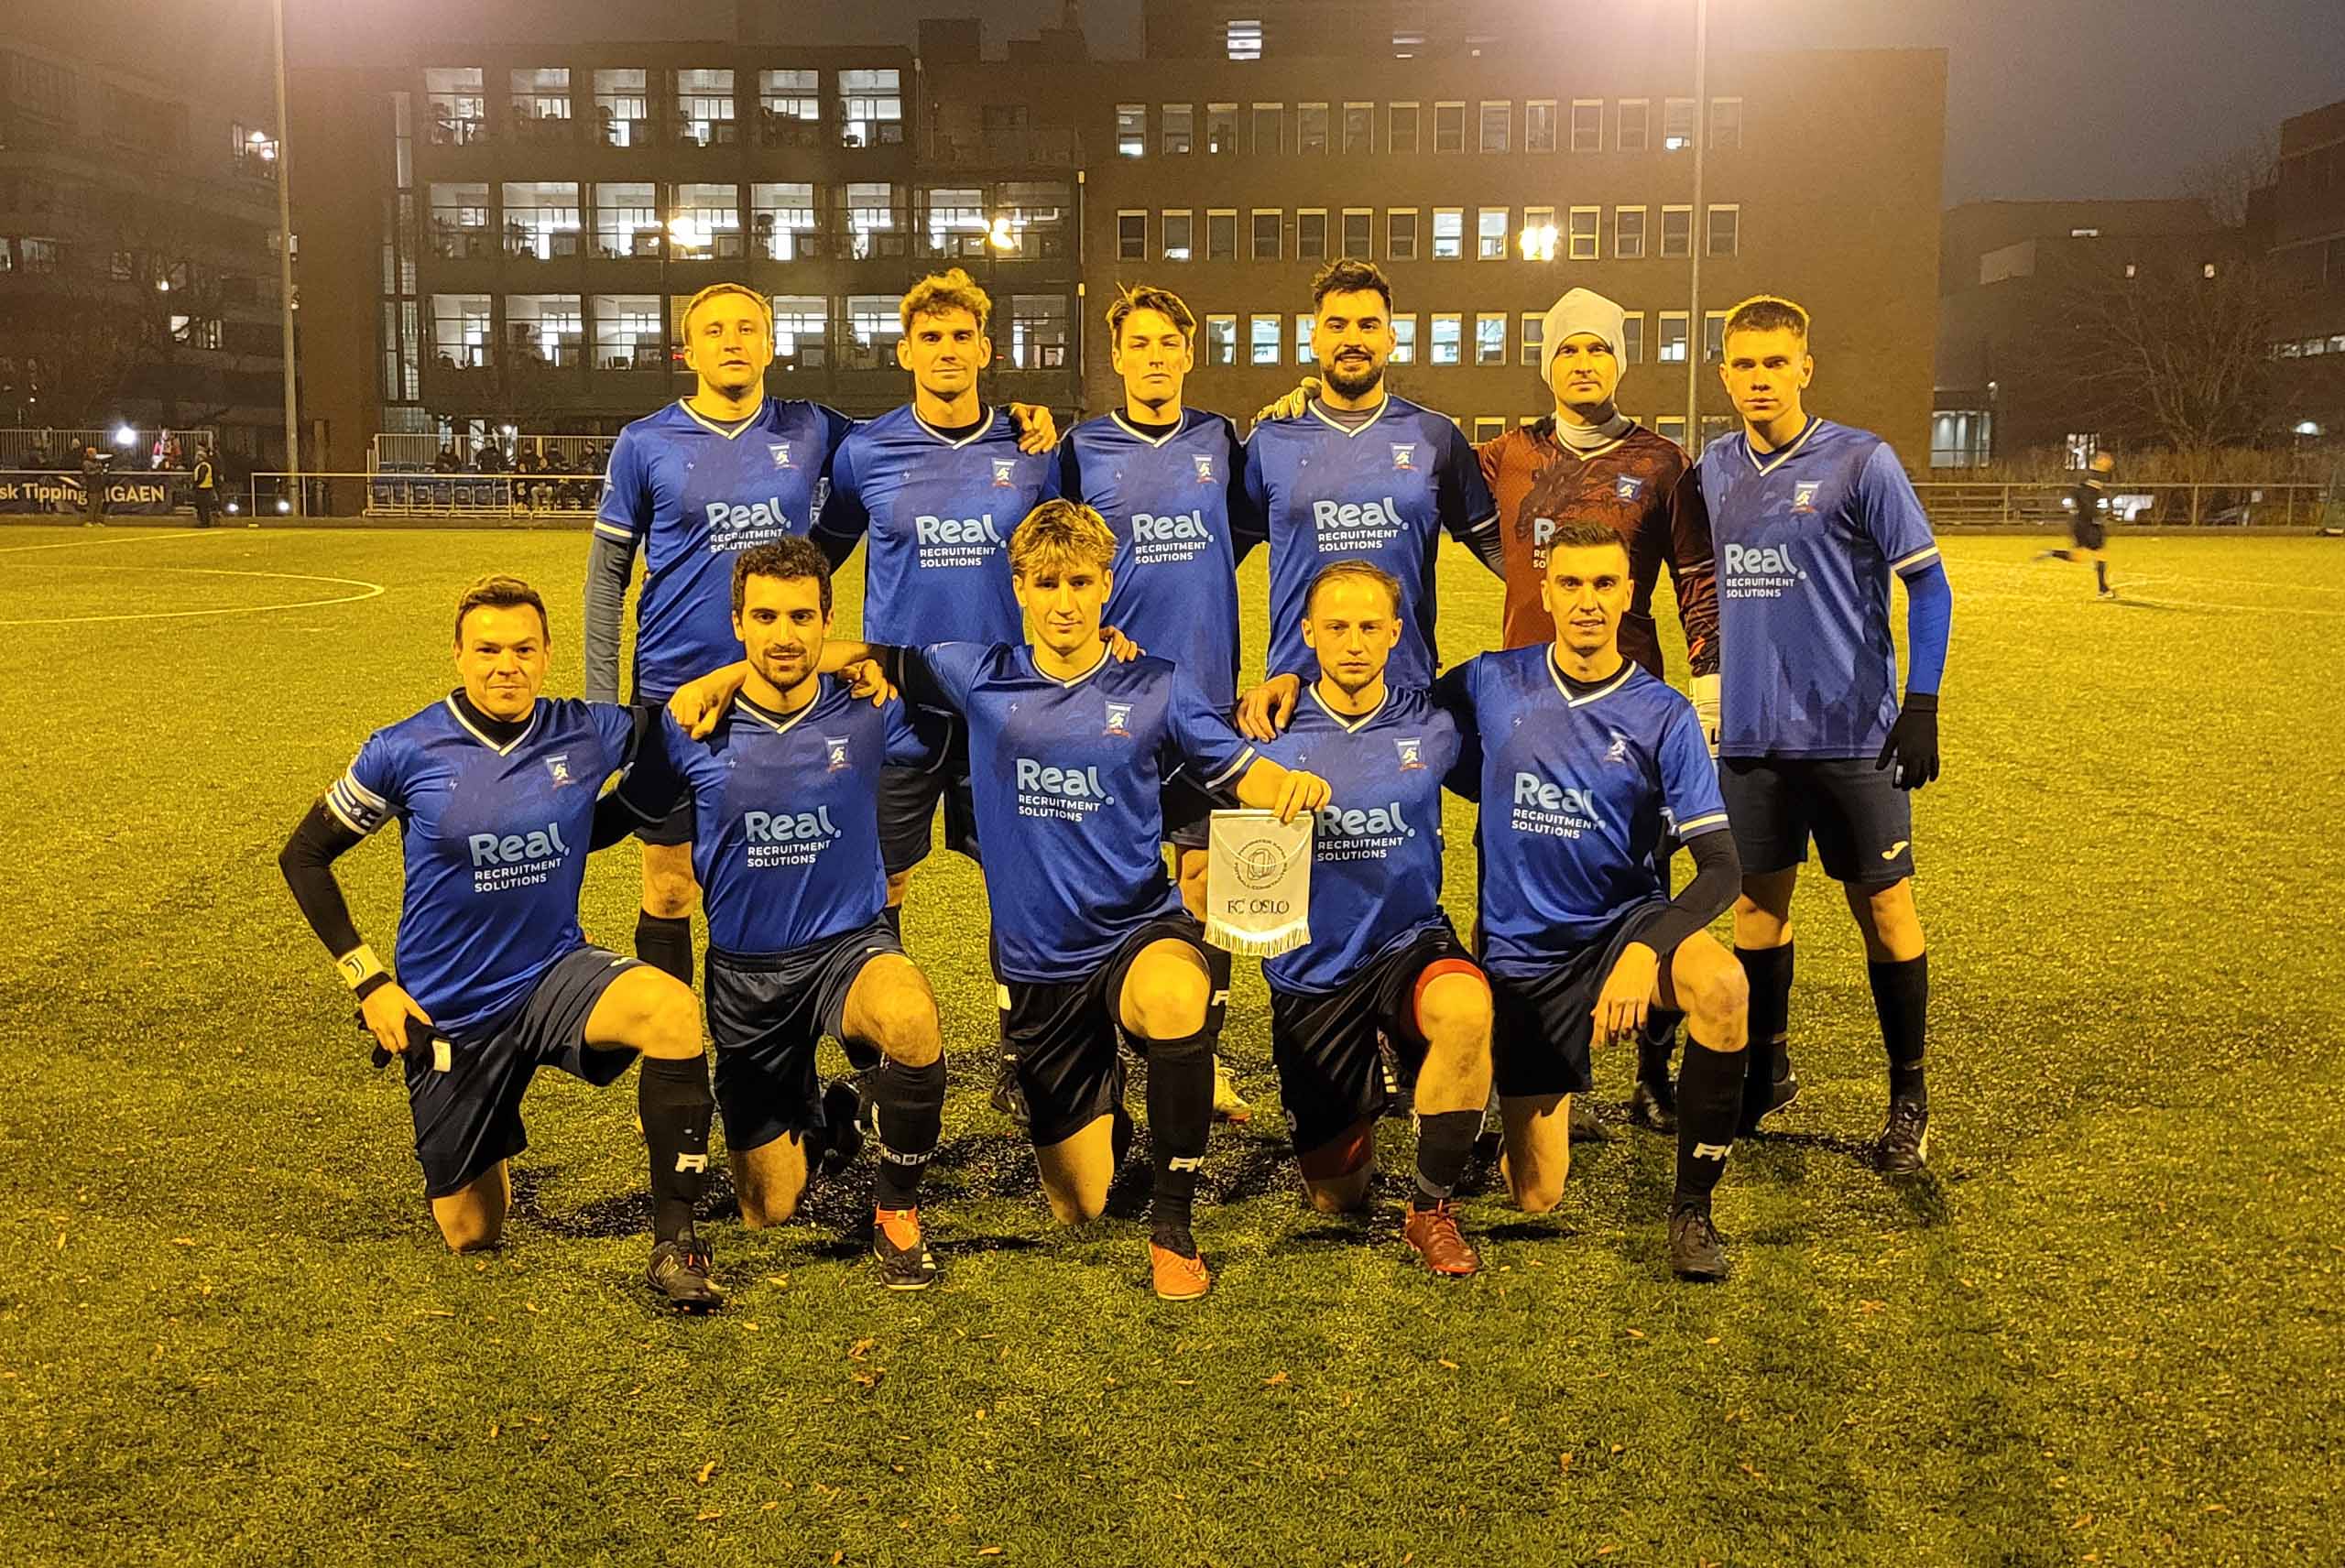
[139, 270]
[508, 226]
[2299, 223]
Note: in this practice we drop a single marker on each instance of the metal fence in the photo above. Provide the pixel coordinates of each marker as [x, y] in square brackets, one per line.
[505, 497]
[393, 453]
[64, 448]
[2277, 506]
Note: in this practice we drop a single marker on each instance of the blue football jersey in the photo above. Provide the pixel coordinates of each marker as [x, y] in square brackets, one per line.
[1376, 849]
[1065, 775]
[786, 815]
[694, 494]
[1383, 492]
[1181, 517]
[1807, 537]
[494, 839]
[939, 512]
[1575, 793]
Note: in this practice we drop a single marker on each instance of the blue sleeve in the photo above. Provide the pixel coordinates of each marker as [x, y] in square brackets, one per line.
[943, 674]
[1258, 502]
[1202, 741]
[625, 515]
[1929, 621]
[1453, 698]
[1689, 779]
[913, 741]
[622, 730]
[1893, 514]
[842, 519]
[368, 795]
[1051, 488]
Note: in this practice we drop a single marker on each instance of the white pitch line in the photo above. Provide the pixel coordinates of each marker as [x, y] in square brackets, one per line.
[124, 538]
[372, 590]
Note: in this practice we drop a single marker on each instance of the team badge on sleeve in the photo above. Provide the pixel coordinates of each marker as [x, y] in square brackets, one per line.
[1404, 457]
[1412, 753]
[1118, 716]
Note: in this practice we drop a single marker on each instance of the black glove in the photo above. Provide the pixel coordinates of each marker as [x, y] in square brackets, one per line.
[1913, 742]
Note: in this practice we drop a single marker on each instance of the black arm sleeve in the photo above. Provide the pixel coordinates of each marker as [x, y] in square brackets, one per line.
[835, 548]
[1717, 877]
[306, 860]
[647, 791]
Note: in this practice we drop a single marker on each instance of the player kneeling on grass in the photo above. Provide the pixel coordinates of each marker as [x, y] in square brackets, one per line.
[784, 792]
[1069, 749]
[1582, 761]
[494, 789]
[1383, 957]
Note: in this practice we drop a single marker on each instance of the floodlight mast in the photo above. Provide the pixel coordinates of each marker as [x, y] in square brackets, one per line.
[1698, 234]
[285, 266]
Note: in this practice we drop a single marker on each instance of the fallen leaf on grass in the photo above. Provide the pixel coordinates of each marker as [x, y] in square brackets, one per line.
[712, 1513]
[432, 1313]
[494, 1427]
[700, 1476]
[989, 1550]
[751, 1324]
[860, 1349]
[1564, 1464]
[1618, 1447]
[870, 1380]
[1448, 1363]
[1274, 1379]
[1712, 1340]
[1636, 1333]
[182, 1241]
[1604, 1550]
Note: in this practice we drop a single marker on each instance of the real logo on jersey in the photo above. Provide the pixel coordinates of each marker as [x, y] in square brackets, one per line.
[837, 746]
[764, 515]
[1003, 467]
[1336, 823]
[1204, 460]
[956, 531]
[1412, 753]
[559, 768]
[1557, 810]
[1404, 456]
[1803, 494]
[516, 849]
[1628, 488]
[781, 451]
[1070, 794]
[788, 827]
[1118, 716]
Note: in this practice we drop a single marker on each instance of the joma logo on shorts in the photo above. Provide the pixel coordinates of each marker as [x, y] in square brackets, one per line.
[513, 849]
[1530, 789]
[956, 531]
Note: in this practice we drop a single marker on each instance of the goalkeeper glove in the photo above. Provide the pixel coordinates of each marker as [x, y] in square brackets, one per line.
[1913, 742]
[1704, 690]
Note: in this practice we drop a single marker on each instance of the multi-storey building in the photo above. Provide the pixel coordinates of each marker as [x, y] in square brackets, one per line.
[2299, 222]
[137, 243]
[510, 225]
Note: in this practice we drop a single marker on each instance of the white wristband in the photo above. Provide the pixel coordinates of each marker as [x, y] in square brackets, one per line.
[358, 966]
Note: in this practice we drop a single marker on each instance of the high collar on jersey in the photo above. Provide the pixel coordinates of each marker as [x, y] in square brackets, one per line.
[1781, 455]
[500, 735]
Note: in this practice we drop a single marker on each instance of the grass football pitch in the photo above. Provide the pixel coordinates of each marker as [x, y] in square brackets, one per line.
[2105, 1329]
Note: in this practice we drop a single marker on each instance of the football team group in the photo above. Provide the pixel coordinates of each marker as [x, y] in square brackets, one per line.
[1049, 653]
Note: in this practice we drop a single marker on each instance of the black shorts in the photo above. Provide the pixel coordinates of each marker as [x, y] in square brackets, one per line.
[1331, 1075]
[1862, 823]
[907, 798]
[1064, 1035]
[1542, 1025]
[2089, 533]
[469, 1118]
[766, 1012]
[676, 827]
[1188, 812]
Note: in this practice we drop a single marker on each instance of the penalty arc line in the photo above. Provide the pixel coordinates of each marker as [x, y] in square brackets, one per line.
[370, 589]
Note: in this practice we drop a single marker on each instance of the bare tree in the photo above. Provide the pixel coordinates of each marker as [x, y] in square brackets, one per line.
[2225, 183]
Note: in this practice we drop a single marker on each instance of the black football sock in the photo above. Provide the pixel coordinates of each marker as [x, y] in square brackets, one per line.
[1709, 1106]
[1900, 996]
[2101, 574]
[2059, 555]
[673, 1097]
[1656, 1043]
[894, 915]
[1180, 1116]
[1769, 972]
[907, 1113]
[1217, 1002]
[665, 943]
[1444, 1143]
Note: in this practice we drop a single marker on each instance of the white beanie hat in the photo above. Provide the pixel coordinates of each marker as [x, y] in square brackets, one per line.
[1581, 310]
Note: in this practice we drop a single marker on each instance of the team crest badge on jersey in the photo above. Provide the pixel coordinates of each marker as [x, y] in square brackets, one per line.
[1204, 460]
[1618, 751]
[1803, 494]
[559, 767]
[1002, 469]
[837, 746]
[781, 451]
[1118, 716]
[1404, 457]
[1627, 487]
[1412, 752]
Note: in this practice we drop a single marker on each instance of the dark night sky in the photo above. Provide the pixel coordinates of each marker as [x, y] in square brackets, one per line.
[2046, 98]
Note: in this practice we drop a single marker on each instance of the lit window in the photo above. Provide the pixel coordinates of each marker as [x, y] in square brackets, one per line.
[1678, 124]
[1539, 125]
[1448, 333]
[1177, 127]
[1264, 340]
[1131, 129]
[1491, 233]
[1221, 339]
[1405, 339]
[1177, 236]
[1448, 232]
[1588, 124]
[1242, 39]
[1489, 339]
[1673, 337]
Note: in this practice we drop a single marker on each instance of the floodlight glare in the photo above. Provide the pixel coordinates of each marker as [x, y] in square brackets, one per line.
[284, 506]
[125, 436]
[2308, 427]
[998, 235]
